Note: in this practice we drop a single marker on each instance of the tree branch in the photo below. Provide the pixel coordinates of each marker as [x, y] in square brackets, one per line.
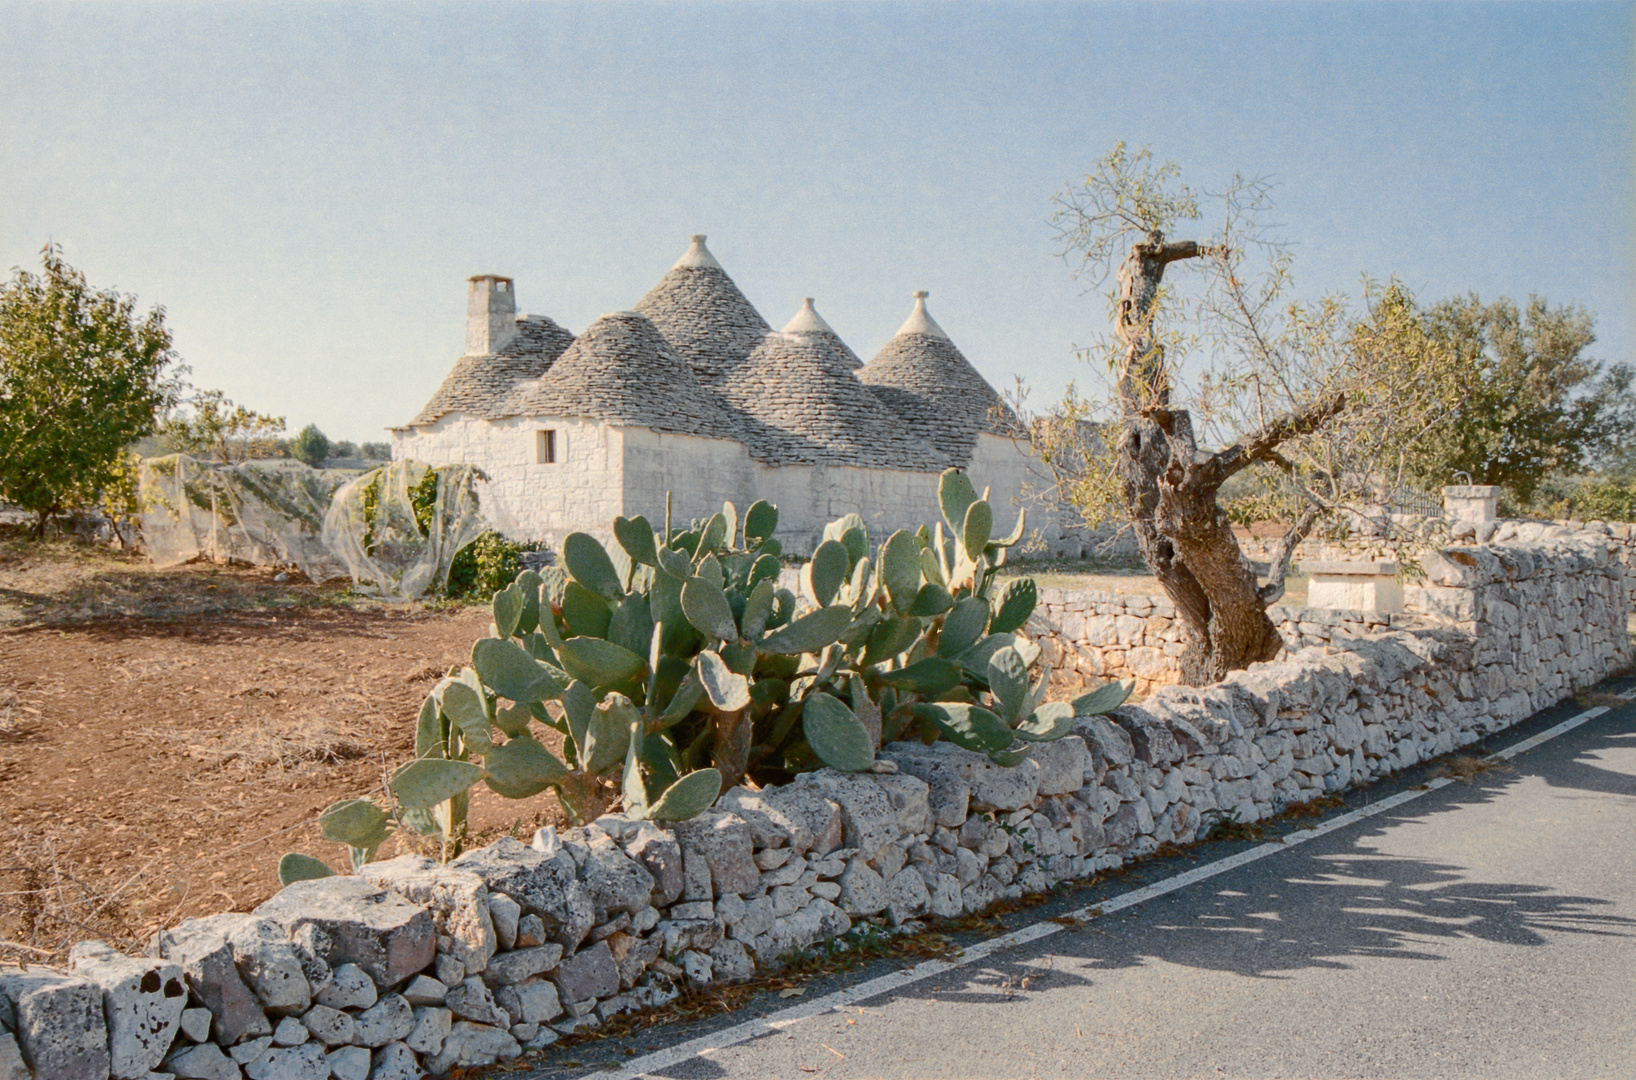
[1279, 570]
[1262, 444]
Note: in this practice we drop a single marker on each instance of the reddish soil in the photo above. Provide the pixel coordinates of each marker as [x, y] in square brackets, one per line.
[166, 735]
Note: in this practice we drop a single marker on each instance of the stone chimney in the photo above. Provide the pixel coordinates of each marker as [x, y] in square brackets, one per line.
[491, 313]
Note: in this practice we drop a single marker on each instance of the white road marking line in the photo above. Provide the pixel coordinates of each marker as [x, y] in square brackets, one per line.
[704, 1045]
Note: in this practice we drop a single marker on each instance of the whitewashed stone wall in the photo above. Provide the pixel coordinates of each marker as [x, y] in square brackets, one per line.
[522, 498]
[413, 968]
[603, 471]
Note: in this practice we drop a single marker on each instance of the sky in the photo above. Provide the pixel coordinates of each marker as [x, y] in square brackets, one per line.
[305, 188]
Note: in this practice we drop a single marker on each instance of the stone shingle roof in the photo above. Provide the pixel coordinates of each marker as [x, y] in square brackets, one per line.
[809, 323]
[479, 386]
[797, 403]
[921, 377]
[622, 371]
[701, 312]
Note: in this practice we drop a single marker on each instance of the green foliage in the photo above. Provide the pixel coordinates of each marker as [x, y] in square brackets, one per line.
[674, 666]
[310, 446]
[213, 426]
[82, 376]
[1531, 403]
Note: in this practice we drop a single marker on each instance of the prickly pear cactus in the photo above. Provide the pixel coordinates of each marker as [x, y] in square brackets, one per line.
[674, 665]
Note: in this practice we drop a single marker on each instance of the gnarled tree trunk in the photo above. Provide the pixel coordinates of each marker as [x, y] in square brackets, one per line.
[1170, 487]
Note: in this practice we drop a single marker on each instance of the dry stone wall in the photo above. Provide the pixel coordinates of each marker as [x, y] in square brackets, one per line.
[412, 967]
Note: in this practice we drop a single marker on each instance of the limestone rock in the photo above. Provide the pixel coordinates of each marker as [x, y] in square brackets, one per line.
[203, 1062]
[471, 1000]
[514, 967]
[332, 1027]
[547, 885]
[395, 1061]
[470, 1045]
[432, 1025]
[812, 820]
[769, 828]
[1063, 764]
[305, 1062]
[350, 988]
[906, 896]
[862, 890]
[868, 820]
[142, 1002]
[201, 947]
[949, 790]
[910, 802]
[290, 1032]
[12, 1066]
[590, 973]
[60, 1027]
[617, 882]
[389, 937]
[349, 1063]
[722, 842]
[459, 902]
[388, 1020]
[530, 1003]
[505, 913]
[730, 961]
[659, 854]
[196, 1024]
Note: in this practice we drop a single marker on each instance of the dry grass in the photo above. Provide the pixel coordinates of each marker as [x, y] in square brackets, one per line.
[1463, 767]
[295, 747]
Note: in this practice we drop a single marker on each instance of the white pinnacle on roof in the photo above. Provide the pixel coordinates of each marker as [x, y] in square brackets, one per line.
[808, 321]
[921, 322]
[697, 254]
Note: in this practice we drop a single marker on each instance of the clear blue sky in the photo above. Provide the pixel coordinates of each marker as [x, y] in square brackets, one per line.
[305, 188]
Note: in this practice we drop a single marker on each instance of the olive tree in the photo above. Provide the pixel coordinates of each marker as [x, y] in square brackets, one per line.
[1323, 400]
[82, 376]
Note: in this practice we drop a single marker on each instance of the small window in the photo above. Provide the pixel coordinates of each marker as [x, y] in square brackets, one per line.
[546, 447]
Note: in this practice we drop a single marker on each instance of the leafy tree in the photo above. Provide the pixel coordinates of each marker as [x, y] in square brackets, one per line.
[1532, 402]
[213, 426]
[376, 451]
[82, 375]
[310, 446]
[1324, 402]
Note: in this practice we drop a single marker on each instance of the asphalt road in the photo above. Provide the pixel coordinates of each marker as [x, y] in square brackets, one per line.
[1480, 929]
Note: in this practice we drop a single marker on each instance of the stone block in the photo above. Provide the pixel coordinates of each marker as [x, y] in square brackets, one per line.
[458, 900]
[349, 1063]
[390, 1019]
[142, 1003]
[203, 1062]
[389, 937]
[1063, 765]
[201, 948]
[350, 988]
[544, 884]
[590, 973]
[862, 890]
[868, 820]
[723, 841]
[432, 1025]
[813, 821]
[617, 882]
[470, 1046]
[12, 1066]
[514, 967]
[471, 1000]
[330, 1026]
[59, 1023]
[909, 797]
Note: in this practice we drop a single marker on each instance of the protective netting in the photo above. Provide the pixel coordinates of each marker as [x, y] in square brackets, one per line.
[327, 523]
[373, 526]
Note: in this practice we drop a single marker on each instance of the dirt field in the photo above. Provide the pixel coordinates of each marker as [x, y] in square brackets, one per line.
[166, 735]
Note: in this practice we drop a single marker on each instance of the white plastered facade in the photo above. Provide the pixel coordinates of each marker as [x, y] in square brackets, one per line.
[603, 471]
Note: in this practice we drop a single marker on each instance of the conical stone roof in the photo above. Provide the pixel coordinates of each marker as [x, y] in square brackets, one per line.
[797, 403]
[921, 377]
[808, 323]
[622, 371]
[701, 312]
[479, 386]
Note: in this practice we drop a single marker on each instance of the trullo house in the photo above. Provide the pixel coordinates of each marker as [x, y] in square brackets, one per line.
[694, 395]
